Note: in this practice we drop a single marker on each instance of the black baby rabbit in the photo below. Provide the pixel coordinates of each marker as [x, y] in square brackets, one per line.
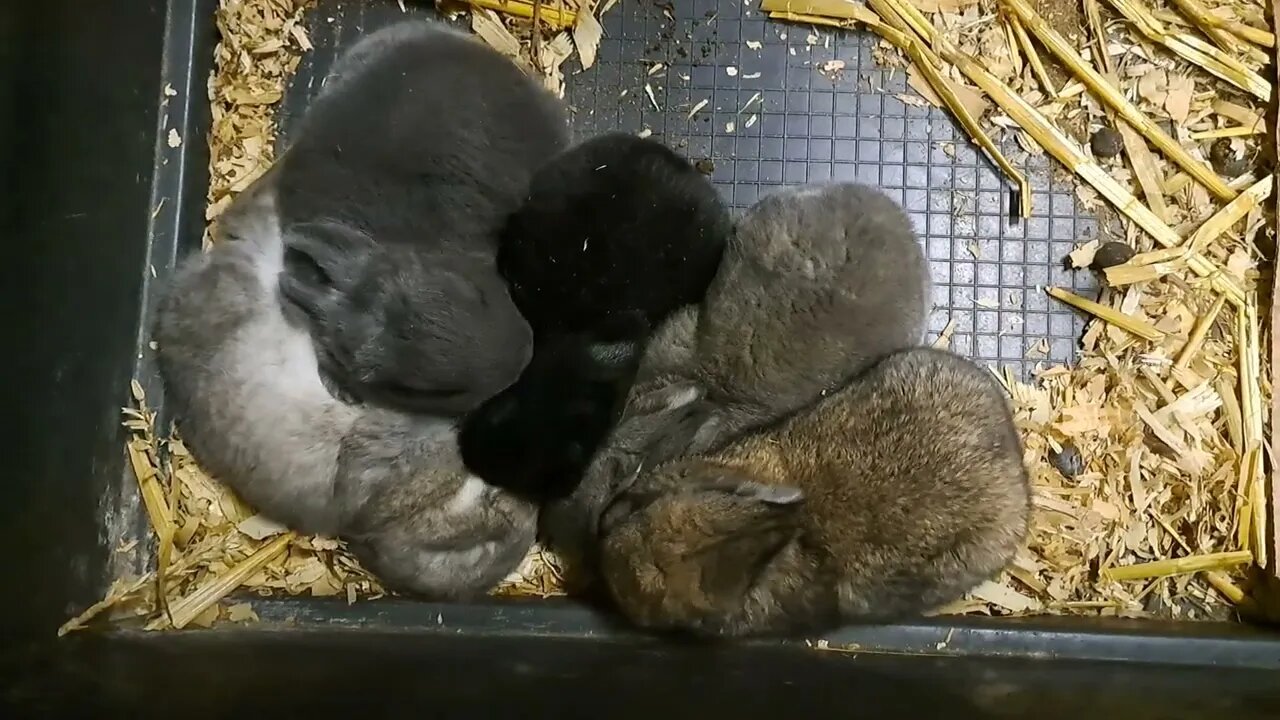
[890, 496]
[241, 375]
[392, 190]
[617, 234]
[817, 283]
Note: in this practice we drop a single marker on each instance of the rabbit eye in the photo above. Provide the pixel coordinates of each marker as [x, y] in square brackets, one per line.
[398, 388]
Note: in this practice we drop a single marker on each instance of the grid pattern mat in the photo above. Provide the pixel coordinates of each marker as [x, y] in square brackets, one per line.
[809, 125]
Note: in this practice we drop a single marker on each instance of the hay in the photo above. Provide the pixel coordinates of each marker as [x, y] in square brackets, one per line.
[1166, 409]
[209, 544]
[1168, 426]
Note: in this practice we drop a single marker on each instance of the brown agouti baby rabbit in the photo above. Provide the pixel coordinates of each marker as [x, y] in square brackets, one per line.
[818, 282]
[889, 497]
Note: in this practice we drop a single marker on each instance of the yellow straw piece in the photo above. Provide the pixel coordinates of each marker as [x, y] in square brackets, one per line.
[1129, 324]
[557, 19]
[1179, 566]
[190, 607]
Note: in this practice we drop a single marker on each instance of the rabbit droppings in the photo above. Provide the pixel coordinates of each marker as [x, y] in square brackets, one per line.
[241, 375]
[889, 497]
[818, 282]
[392, 192]
[617, 233]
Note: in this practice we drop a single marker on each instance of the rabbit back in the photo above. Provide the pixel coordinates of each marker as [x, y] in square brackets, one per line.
[817, 284]
[423, 136]
[615, 229]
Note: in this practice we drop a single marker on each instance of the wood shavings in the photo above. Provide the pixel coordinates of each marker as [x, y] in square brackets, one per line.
[832, 69]
[648, 91]
[209, 543]
[587, 34]
[257, 53]
[1167, 424]
[944, 338]
[1155, 405]
[488, 26]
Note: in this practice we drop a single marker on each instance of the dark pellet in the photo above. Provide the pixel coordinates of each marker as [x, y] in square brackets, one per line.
[1106, 143]
[1111, 254]
[1068, 462]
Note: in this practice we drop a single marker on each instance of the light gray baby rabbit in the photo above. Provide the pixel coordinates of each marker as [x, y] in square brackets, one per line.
[392, 191]
[818, 282]
[242, 378]
[890, 496]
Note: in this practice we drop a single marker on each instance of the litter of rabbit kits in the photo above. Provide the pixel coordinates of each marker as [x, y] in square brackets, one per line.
[1146, 456]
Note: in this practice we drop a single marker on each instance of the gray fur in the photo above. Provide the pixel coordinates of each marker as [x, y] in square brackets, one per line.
[242, 378]
[818, 282]
[391, 192]
[889, 497]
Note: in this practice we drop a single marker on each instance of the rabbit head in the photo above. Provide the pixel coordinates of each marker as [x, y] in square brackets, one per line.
[682, 550]
[613, 227]
[423, 334]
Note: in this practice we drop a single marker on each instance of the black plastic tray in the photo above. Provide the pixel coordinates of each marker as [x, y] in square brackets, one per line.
[98, 208]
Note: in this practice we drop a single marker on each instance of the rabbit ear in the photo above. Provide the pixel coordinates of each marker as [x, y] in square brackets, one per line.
[337, 250]
[754, 522]
[750, 492]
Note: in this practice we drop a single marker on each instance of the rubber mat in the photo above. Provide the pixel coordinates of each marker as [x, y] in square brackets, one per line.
[760, 105]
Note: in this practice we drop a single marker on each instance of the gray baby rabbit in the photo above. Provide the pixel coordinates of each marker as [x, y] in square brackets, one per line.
[891, 496]
[818, 282]
[391, 192]
[242, 378]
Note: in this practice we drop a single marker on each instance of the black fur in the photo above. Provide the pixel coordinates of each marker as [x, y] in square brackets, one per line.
[617, 234]
[616, 226]
[537, 437]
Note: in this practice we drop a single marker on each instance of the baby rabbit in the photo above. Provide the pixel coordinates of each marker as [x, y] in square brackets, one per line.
[617, 234]
[392, 191]
[889, 497]
[817, 283]
[241, 375]
[661, 420]
[614, 228]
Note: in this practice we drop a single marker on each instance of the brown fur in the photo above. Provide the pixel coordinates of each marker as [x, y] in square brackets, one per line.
[818, 282]
[891, 496]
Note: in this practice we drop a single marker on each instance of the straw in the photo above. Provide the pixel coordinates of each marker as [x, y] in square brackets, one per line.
[1179, 566]
[1113, 98]
[1194, 50]
[1129, 324]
